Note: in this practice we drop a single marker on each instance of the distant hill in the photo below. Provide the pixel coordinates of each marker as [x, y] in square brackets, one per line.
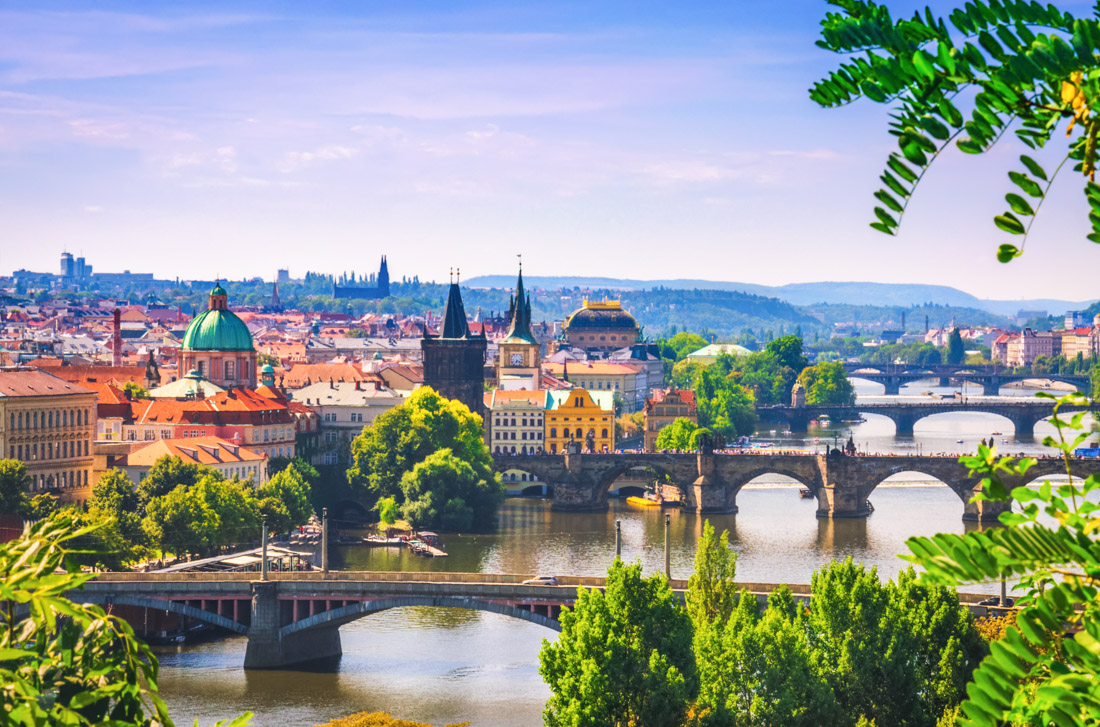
[852, 293]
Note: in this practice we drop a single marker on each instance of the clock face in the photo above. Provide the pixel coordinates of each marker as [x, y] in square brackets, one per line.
[517, 359]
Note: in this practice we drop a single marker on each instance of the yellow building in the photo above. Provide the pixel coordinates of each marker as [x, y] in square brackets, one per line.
[49, 424]
[581, 416]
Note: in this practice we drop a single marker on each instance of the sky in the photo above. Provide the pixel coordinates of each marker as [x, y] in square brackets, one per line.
[648, 140]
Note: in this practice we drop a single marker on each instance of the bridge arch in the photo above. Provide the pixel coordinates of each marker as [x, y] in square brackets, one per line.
[609, 475]
[964, 489]
[346, 614]
[176, 607]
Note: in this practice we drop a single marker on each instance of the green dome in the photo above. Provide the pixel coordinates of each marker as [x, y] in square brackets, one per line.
[267, 369]
[218, 290]
[217, 330]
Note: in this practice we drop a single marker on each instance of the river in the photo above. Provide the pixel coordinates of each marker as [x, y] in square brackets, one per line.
[447, 665]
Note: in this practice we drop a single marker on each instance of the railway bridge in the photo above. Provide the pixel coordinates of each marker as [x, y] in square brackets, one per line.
[708, 482]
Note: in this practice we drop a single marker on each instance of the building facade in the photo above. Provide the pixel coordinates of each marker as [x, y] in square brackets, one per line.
[665, 407]
[580, 417]
[49, 424]
[343, 409]
[454, 360]
[224, 457]
[516, 421]
[626, 381]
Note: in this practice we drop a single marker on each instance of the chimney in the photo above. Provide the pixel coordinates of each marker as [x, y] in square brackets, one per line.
[116, 340]
[357, 385]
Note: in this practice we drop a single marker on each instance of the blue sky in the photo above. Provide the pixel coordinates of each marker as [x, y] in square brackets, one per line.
[633, 139]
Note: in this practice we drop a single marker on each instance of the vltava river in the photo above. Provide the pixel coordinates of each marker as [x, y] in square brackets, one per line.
[444, 665]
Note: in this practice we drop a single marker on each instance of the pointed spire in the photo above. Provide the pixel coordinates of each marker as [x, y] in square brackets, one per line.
[519, 328]
[454, 316]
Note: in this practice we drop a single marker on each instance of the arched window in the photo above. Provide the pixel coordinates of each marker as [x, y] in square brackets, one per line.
[580, 432]
[604, 435]
[513, 449]
[553, 431]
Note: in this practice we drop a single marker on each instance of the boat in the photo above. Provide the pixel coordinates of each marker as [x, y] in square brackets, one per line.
[378, 540]
[805, 493]
[996, 434]
[642, 502]
[958, 441]
[870, 507]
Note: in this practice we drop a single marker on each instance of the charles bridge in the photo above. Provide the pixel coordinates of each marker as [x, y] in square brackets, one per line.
[708, 482]
[1023, 414]
[991, 377]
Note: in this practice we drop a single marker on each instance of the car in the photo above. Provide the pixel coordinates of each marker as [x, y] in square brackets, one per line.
[991, 601]
[541, 581]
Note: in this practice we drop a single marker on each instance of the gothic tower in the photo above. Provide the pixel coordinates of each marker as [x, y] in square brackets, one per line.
[383, 279]
[454, 361]
[518, 364]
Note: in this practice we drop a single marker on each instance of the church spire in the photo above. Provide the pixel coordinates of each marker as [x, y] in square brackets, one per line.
[454, 316]
[519, 328]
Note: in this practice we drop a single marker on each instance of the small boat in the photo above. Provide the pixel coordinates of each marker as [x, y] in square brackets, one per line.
[870, 507]
[996, 434]
[642, 502]
[958, 441]
[805, 493]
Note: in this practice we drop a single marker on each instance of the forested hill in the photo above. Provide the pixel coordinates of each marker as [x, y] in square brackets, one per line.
[846, 293]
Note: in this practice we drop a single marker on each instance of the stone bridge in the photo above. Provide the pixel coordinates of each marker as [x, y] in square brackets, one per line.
[709, 482]
[991, 377]
[1023, 414]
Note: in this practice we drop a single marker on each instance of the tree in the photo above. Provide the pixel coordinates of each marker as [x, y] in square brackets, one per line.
[623, 657]
[165, 475]
[988, 53]
[292, 489]
[712, 593]
[14, 484]
[135, 390]
[42, 505]
[955, 350]
[788, 351]
[1045, 668]
[114, 497]
[86, 668]
[388, 510]
[445, 492]
[929, 355]
[723, 406]
[827, 383]
[181, 523]
[680, 434]
[408, 434]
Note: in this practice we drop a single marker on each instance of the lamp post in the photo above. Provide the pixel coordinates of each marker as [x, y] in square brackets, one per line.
[618, 539]
[668, 560]
[263, 551]
[324, 540]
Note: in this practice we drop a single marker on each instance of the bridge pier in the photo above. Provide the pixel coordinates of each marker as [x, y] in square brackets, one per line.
[892, 385]
[268, 648]
[903, 423]
[945, 381]
[709, 494]
[842, 502]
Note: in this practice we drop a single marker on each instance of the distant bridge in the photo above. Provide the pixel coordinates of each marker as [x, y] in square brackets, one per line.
[991, 377]
[1023, 414]
[709, 482]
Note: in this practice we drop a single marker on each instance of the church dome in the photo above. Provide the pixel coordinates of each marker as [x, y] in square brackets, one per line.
[601, 315]
[217, 328]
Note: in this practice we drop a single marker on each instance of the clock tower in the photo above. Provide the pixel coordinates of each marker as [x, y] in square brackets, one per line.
[519, 362]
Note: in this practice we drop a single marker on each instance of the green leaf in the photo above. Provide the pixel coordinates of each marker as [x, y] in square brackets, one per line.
[1033, 167]
[1018, 204]
[1026, 183]
[923, 63]
[1006, 253]
[969, 146]
[872, 91]
[1009, 223]
[885, 217]
[882, 196]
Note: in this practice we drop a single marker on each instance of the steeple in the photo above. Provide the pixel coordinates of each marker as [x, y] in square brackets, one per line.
[519, 328]
[454, 315]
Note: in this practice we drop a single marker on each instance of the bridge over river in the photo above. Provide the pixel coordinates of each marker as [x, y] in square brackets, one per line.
[708, 482]
[991, 377]
[1023, 414]
[295, 617]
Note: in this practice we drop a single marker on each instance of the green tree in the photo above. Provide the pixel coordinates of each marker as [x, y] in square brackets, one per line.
[233, 503]
[114, 497]
[788, 352]
[388, 510]
[291, 488]
[623, 657]
[723, 406]
[677, 435]
[135, 390]
[408, 434]
[712, 592]
[14, 484]
[445, 492]
[990, 55]
[42, 505]
[827, 383]
[956, 352]
[928, 355]
[181, 523]
[85, 668]
[166, 474]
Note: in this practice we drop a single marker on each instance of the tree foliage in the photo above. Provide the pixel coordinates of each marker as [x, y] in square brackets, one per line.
[445, 492]
[407, 435]
[623, 657]
[66, 663]
[827, 383]
[956, 352]
[681, 434]
[290, 488]
[1046, 668]
[14, 485]
[1017, 62]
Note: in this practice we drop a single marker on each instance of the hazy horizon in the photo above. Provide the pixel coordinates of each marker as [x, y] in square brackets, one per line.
[626, 140]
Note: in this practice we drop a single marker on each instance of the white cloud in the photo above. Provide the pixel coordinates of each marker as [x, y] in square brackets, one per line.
[92, 209]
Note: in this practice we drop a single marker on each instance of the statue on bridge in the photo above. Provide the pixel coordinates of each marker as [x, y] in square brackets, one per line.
[850, 447]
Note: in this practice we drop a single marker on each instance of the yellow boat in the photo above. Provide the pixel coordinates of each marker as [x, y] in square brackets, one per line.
[642, 502]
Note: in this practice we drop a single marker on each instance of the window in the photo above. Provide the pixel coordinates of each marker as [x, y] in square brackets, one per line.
[150, 435]
[229, 369]
[165, 433]
[553, 431]
[604, 435]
